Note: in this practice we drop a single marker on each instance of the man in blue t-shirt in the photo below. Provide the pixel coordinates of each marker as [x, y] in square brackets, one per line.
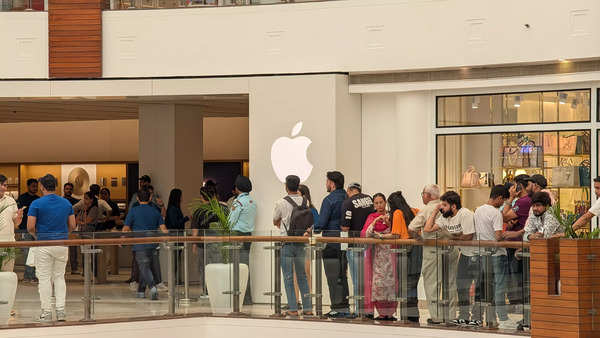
[146, 219]
[51, 218]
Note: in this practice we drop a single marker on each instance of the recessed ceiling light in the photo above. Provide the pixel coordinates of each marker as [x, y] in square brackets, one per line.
[562, 98]
[517, 101]
[475, 103]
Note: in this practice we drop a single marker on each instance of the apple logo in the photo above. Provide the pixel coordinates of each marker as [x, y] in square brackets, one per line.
[288, 155]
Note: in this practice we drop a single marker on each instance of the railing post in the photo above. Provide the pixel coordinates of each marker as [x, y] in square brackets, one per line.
[276, 277]
[445, 302]
[490, 314]
[318, 294]
[235, 259]
[526, 290]
[171, 247]
[402, 272]
[186, 275]
[88, 272]
[359, 299]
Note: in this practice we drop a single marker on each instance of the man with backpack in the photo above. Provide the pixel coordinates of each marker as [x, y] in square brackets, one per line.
[293, 216]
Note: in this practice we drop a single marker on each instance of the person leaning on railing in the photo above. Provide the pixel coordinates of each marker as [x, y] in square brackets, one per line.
[51, 218]
[593, 211]
[542, 224]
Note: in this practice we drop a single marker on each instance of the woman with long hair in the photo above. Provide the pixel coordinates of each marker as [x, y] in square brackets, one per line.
[401, 215]
[380, 264]
[175, 219]
[87, 218]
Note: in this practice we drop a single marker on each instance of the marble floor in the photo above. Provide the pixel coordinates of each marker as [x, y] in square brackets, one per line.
[115, 301]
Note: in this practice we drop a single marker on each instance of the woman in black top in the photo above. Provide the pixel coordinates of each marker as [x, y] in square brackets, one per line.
[175, 219]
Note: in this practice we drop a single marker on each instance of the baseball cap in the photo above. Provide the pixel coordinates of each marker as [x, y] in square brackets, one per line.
[355, 185]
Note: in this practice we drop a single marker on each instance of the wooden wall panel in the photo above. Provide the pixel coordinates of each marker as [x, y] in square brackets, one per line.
[75, 38]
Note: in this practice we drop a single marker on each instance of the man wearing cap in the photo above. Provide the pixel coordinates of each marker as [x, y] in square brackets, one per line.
[355, 210]
[241, 219]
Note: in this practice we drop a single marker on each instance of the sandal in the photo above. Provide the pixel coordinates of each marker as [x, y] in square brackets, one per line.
[308, 314]
[291, 313]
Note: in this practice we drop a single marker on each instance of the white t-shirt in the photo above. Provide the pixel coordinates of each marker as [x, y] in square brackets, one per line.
[283, 210]
[595, 209]
[7, 225]
[488, 220]
[461, 223]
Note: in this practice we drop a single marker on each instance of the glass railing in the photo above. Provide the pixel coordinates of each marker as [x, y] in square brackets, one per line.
[123, 276]
[21, 5]
[148, 4]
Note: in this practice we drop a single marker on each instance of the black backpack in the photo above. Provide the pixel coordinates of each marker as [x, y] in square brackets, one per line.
[301, 218]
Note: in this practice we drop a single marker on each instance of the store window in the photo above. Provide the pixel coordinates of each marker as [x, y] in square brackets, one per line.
[472, 163]
[514, 108]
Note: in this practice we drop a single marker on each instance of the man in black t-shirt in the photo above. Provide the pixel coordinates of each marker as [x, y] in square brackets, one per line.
[25, 201]
[355, 210]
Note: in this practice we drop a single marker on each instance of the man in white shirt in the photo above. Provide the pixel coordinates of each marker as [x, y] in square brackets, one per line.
[594, 210]
[10, 217]
[293, 255]
[488, 227]
[455, 223]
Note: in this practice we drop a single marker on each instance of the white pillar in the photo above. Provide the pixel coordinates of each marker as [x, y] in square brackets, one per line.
[331, 120]
[171, 149]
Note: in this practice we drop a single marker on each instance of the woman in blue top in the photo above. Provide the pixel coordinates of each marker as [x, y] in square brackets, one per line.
[305, 192]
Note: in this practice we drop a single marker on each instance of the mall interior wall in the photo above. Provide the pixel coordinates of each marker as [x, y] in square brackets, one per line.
[347, 36]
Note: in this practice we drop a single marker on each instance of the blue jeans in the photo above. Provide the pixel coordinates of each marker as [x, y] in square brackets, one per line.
[500, 266]
[145, 259]
[29, 270]
[353, 258]
[293, 256]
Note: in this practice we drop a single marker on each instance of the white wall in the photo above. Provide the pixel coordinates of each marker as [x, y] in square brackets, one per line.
[225, 138]
[347, 36]
[398, 143]
[23, 45]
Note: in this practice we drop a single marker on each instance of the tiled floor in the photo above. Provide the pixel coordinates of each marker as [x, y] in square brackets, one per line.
[114, 301]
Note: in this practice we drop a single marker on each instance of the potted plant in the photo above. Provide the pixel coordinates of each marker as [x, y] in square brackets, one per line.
[565, 309]
[219, 272]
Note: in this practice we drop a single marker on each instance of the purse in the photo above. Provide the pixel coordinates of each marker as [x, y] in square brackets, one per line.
[583, 144]
[550, 144]
[470, 178]
[511, 157]
[565, 177]
[567, 145]
[486, 179]
[585, 173]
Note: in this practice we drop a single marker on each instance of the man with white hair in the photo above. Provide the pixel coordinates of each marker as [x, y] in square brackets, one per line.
[431, 199]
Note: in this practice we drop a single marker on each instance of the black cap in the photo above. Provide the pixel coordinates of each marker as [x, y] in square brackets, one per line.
[355, 185]
[243, 184]
[539, 180]
[145, 178]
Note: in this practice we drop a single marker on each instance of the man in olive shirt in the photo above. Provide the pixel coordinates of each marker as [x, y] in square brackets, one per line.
[431, 199]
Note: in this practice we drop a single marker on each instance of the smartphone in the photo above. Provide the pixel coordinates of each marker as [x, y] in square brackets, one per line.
[519, 188]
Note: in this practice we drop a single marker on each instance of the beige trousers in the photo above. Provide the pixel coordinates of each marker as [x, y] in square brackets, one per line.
[432, 282]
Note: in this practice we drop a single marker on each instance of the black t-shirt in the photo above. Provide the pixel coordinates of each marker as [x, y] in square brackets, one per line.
[355, 211]
[25, 200]
[109, 224]
[72, 200]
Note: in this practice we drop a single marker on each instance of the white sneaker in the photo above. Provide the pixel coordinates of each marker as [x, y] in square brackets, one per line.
[507, 324]
[162, 287]
[61, 316]
[133, 286]
[45, 317]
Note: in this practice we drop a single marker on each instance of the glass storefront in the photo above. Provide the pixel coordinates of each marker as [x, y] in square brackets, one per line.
[514, 108]
[471, 162]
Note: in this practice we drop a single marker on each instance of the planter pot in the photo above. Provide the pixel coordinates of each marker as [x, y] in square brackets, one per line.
[8, 289]
[219, 280]
[565, 292]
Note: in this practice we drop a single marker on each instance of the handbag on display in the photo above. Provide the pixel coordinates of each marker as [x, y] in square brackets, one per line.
[486, 179]
[565, 177]
[511, 157]
[583, 146]
[470, 178]
[550, 144]
[532, 155]
[567, 145]
[585, 173]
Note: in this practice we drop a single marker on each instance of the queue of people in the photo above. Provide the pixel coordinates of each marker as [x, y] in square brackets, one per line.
[517, 211]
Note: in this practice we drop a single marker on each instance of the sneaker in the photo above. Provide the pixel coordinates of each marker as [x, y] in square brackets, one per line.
[413, 319]
[334, 314]
[459, 322]
[507, 325]
[45, 317]
[140, 295]
[161, 287]
[475, 323]
[433, 322]
[154, 293]
[133, 286]
[61, 316]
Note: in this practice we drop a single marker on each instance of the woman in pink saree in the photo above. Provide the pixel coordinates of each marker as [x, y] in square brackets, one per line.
[380, 264]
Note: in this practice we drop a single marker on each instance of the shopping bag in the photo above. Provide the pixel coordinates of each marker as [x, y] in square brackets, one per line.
[30, 258]
[512, 157]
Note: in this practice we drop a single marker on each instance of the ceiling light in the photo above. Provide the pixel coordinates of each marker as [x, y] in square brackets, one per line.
[517, 101]
[475, 103]
[562, 98]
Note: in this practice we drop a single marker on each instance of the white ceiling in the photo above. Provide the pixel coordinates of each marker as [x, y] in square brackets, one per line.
[112, 108]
